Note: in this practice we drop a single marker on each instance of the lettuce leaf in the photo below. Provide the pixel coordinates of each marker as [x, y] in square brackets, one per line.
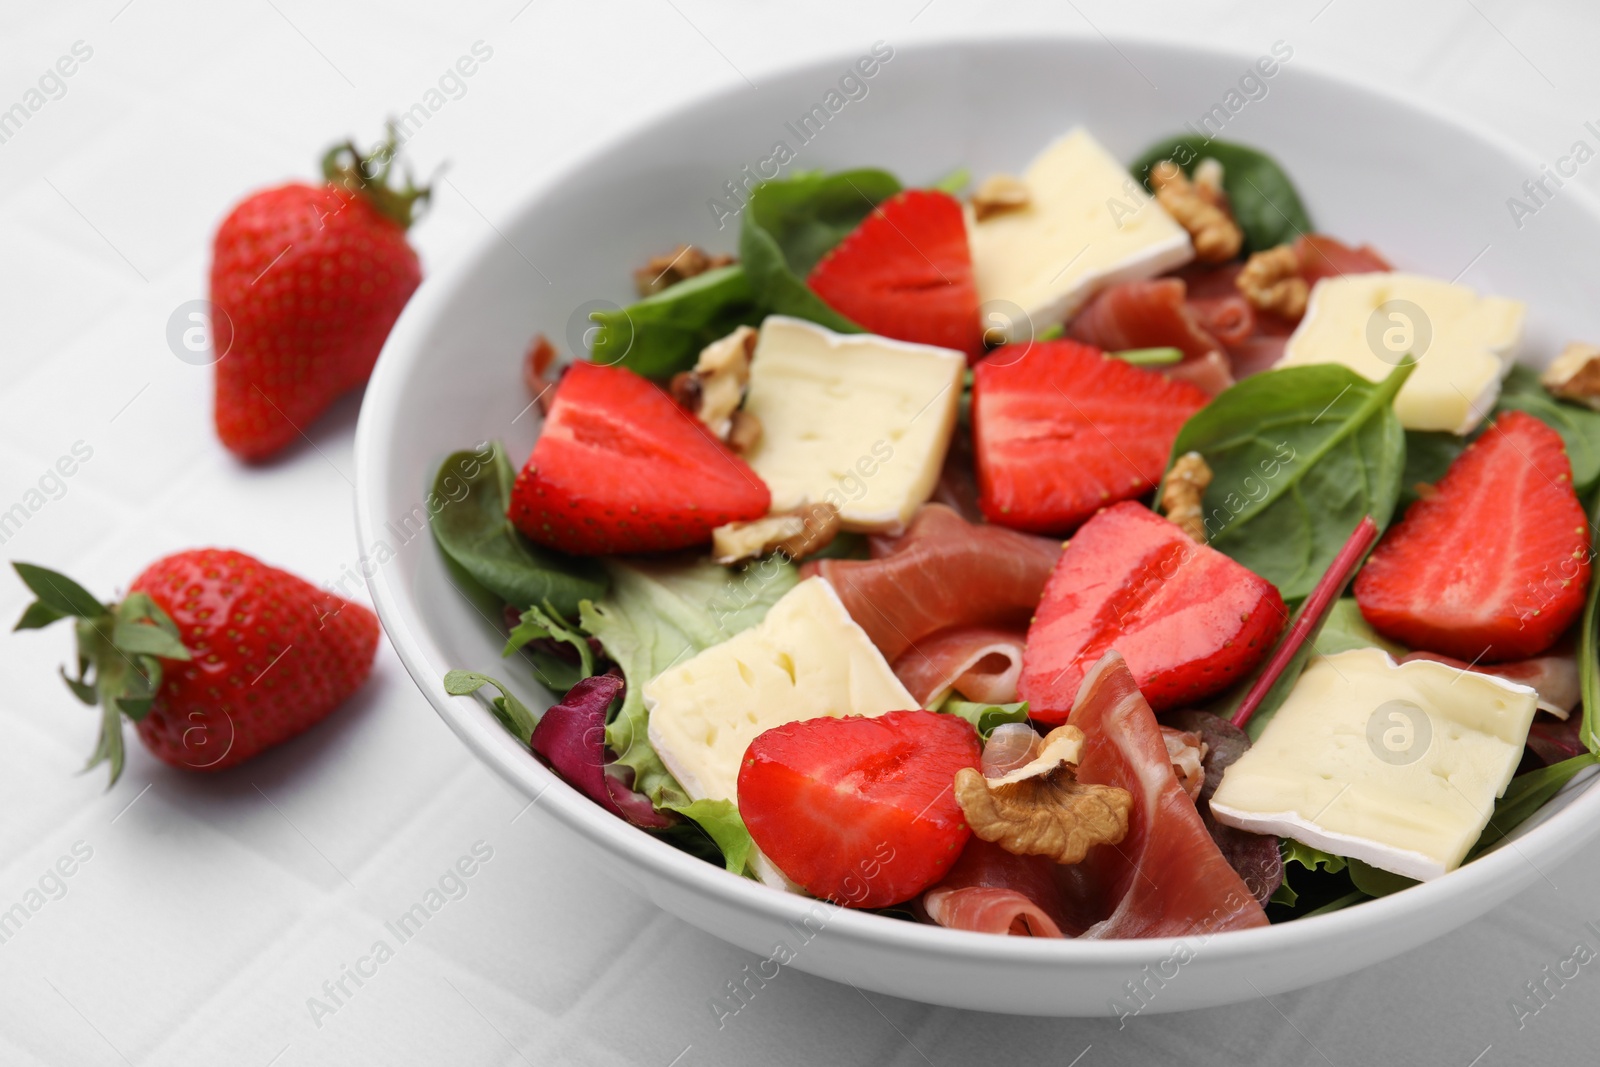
[1308, 859]
[1345, 628]
[720, 820]
[985, 717]
[658, 614]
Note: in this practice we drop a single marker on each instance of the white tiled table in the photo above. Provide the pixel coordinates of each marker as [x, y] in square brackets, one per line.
[211, 908]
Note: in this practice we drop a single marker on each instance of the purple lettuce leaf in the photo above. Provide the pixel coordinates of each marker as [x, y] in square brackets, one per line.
[571, 739]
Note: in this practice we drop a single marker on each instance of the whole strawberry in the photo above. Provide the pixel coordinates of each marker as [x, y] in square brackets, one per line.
[306, 281]
[214, 655]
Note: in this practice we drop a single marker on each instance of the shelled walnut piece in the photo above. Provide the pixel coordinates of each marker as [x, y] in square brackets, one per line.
[1041, 809]
[998, 194]
[797, 534]
[1575, 375]
[713, 391]
[685, 261]
[1216, 237]
[1188, 754]
[1183, 492]
[1271, 281]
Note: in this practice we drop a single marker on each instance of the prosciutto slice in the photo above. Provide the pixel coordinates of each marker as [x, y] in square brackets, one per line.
[943, 574]
[1254, 857]
[1167, 878]
[1145, 314]
[1322, 257]
[981, 663]
[991, 891]
[1211, 372]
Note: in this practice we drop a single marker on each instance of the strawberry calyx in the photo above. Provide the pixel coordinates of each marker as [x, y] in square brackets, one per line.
[120, 649]
[368, 175]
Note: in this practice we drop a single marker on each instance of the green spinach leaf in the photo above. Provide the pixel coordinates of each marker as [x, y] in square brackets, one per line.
[789, 225]
[664, 333]
[1578, 426]
[467, 511]
[1298, 456]
[658, 614]
[1264, 200]
[1428, 455]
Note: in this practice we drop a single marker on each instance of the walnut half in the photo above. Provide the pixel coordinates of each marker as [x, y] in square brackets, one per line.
[1217, 238]
[1271, 281]
[1575, 375]
[685, 261]
[1041, 809]
[1182, 494]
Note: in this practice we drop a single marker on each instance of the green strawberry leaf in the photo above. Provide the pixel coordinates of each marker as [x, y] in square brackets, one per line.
[38, 615]
[143, 639]
[135, 709]
[81, 689]
[58, 592]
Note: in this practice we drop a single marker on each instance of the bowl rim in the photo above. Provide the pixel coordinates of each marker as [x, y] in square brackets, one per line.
[1485, 878]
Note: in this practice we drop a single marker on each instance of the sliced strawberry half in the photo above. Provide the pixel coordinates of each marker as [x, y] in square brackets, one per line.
[1188, 620]
[1061, 430]
[859, 811]
[619, 467]
[906, 272]
[1494, 564]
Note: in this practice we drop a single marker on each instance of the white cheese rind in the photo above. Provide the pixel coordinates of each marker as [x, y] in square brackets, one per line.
[807, 659]
[1336, 769]
[855, 420]
[1088, 224]
[1473, 342]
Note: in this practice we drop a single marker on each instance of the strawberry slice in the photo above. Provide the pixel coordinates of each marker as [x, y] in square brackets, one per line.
[1494, 564]
[906, 273]
[859, 811]
[619, 467]
[1061, 430]
[1188, 620]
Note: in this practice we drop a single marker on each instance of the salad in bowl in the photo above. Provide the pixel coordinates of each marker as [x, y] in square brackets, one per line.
[1099, 551]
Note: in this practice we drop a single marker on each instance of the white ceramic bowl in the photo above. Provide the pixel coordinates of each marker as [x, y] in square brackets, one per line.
[1426, 189]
